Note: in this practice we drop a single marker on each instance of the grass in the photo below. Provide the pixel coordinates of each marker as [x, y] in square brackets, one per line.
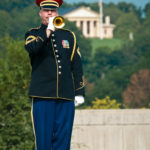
[113, 44]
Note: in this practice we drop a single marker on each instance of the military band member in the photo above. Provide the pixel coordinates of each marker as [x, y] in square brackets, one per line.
[56, 81]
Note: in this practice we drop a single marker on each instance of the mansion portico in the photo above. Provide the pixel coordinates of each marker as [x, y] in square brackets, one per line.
[89, 22]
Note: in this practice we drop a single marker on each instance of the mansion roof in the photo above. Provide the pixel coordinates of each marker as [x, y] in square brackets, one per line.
[78, 12]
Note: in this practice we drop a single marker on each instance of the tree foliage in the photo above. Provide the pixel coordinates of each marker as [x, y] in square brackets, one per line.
[105, 103]
[4, 26]
[126, 24]
[137, 94]
[147, 10]
[111, 72]
[15, 124]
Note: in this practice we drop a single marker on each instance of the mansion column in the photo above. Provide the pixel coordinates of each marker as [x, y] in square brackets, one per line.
[78, 23]
[91, 28]
[98, 28]
[85, 28]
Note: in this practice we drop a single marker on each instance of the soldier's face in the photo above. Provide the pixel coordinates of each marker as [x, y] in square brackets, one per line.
[45, 14]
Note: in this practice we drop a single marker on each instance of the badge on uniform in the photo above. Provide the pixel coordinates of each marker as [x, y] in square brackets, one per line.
[65, 44]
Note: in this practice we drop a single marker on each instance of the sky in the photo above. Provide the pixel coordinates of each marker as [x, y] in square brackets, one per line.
[138, 3]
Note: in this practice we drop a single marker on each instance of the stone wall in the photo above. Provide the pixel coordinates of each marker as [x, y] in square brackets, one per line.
[127, 129]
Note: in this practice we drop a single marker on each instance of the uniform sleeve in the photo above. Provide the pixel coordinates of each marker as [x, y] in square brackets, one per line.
[34, 41]
[77, 70]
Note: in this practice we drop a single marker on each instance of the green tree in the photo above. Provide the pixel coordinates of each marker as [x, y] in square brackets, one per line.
[147, 10]
[113, 84]
[4, 18]
[10, 5]
[129, 7]
[99, 64]
[143, 35]
[25, 20]
[126, 7]
[113, 11]
[126, 24]
[105, 103]
[15, 124]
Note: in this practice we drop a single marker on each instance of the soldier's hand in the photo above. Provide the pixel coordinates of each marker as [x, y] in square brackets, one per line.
[79, 100]
[50, 24]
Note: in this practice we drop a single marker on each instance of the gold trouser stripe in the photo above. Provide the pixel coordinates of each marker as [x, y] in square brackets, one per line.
[74, 47]
[32, 119]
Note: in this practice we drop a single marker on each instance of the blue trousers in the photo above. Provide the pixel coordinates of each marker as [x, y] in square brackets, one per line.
[52, 122]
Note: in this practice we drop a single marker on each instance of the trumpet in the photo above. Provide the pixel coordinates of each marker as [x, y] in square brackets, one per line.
[59, 22]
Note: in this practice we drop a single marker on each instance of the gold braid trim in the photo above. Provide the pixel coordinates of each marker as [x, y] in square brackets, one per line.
[32, 38]
[32, 119]
[33, 96]
[49, 2]
[49, 5]
[74, 47]
[78, 51]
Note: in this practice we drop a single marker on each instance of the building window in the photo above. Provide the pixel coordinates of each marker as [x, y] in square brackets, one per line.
[88, 27]
[81, 25]
[95, 24]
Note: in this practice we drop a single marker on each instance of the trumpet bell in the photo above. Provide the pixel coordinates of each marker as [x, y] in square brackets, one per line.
[59, 22]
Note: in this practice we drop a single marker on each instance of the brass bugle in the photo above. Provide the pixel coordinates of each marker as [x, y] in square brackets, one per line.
[59, 22]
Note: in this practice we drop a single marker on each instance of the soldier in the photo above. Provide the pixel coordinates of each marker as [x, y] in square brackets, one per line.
[56, 81]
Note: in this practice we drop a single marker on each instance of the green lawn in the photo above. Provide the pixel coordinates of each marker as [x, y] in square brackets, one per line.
[113, 44]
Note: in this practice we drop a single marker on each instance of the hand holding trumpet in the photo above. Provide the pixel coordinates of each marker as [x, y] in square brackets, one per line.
[55, 22]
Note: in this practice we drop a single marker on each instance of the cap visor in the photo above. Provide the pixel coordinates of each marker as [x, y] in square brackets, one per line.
[49, 7]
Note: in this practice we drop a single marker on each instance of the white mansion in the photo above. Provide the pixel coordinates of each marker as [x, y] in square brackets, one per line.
[89, 22]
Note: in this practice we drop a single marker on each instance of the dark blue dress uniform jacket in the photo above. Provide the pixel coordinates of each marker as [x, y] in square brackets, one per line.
[56, 64]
